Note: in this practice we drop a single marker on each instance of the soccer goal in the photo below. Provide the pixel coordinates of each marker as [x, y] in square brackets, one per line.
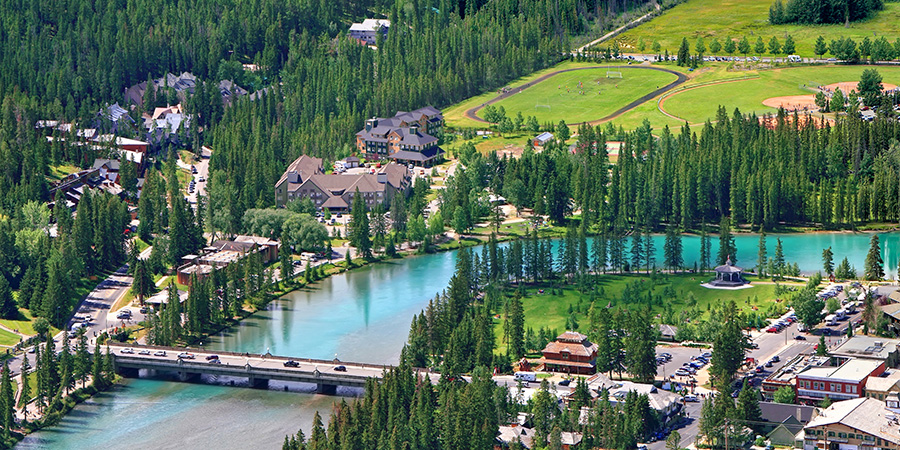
[613, 74]
[545, 105]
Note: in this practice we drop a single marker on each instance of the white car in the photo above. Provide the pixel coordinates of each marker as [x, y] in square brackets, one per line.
[127, 351]
[691, 398]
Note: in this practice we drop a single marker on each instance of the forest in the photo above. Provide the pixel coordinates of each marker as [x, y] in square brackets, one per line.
[812, 12]
[797, 171]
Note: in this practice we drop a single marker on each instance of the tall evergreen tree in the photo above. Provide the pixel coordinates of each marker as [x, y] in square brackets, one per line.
[874, 268]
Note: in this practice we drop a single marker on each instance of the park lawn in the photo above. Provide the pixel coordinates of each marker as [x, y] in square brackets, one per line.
[8, 338]
[24, 325]
[61, 171]
[695, 105]
[596, 97]
[738, 18]
[455, 115]
[546, 310]
[141, 245]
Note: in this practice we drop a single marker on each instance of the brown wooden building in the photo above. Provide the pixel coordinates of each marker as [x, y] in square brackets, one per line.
[571, 352]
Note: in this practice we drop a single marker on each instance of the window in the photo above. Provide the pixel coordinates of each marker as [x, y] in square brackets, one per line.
[831, 434]
[842, 435]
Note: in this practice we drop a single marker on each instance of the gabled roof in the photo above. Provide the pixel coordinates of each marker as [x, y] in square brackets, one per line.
[370, 25]
[864, 414]
[779, 412]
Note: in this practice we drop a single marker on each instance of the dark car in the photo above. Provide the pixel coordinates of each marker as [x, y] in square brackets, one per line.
[800, 337]
[565, 382]
[340, 368]
[291, 363]
[212, 357]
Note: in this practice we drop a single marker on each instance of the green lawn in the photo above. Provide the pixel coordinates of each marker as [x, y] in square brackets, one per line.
[59, 172]
[697, 105]
[594, 98]
[454, 116]
[8, 339]
[732, 18]
[546, 310]
[141, 245]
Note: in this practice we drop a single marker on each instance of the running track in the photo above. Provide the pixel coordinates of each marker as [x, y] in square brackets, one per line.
[472, 113]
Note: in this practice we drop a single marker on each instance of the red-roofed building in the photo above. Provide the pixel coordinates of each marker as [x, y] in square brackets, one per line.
[571, 352]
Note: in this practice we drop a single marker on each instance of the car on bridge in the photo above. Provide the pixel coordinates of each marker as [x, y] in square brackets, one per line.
[186, 355]
[127, 351]
[212, 357]
[144, 352]
[160, 353]
[291, 363]
[340, 368]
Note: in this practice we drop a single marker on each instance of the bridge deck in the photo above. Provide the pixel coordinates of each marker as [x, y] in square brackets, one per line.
[261, 367]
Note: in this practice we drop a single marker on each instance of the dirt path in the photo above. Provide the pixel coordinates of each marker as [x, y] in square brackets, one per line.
[472, 113]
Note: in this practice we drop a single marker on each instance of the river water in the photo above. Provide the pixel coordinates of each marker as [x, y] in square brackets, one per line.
[361, 316]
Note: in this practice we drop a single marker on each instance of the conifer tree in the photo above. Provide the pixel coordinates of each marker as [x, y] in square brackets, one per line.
[25, 395]
[7, 402]
[874, 269]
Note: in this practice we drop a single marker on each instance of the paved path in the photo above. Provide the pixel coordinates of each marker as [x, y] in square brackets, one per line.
[472, 113]
[616, 31]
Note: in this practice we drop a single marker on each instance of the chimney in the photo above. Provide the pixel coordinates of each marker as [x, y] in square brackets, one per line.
[382, 177]
[371, 123]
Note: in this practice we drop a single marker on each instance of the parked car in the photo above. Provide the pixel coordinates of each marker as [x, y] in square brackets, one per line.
[291, 363]
[691, 398]
[565, 382]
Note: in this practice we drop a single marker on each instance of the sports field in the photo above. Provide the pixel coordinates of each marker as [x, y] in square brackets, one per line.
[698, 104]
[739, 18]
[583, 95]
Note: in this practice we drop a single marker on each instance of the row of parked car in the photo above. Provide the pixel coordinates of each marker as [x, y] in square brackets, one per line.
[782, 323]
[696, 363]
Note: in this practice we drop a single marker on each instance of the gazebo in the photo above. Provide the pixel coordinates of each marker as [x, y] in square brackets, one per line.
[728, 275]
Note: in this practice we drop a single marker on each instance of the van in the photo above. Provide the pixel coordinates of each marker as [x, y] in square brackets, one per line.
[831, 320]
[794, 58]
[526, 376]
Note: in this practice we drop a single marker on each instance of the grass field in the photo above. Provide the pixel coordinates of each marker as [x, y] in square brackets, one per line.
[583, 95]
[738, 18]
[545, 310]
[697, 105]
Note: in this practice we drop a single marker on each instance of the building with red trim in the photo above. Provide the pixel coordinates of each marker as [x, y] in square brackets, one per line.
[571, 352]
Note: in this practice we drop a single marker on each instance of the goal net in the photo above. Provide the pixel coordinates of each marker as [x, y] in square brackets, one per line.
[545, 105]
[613, 74]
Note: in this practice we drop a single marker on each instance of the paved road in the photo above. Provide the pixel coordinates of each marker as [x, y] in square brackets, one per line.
[472, 113]
[202, 167]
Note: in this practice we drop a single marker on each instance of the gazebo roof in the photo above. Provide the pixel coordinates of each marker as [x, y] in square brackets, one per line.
[728, 267]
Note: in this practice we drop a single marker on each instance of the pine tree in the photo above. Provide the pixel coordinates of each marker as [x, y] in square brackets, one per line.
[874, 269]
[97, 368]
[673, 249]
[8, 308]
[25, 395]
[83, 358]
[778, 262]
[359, 226]
[684, 52]
[7, 402]
[828, 261]
[761, 257]
[727, 248]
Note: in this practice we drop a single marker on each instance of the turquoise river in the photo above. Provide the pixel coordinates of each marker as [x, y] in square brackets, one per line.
[360, 316]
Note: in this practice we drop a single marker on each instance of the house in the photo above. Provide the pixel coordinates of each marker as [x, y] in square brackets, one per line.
[666, 403]
[223, 252]
[667, 332]
[843, 382]
[167, 124]
[508, 435]
[108, 169]
[408, 138]
[122, 143]
[784, 421]
[571, 352]
[786, 375]
[541, 139]
[892, 311]
[305, 178]
[114, 118]
[162, 298]
[869, 347]
[867, 115]
[857, 424]
[183, 85]
[884, 385]
[367, 32]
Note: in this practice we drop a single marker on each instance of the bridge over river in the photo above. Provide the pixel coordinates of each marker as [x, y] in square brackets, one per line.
[259, 369]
